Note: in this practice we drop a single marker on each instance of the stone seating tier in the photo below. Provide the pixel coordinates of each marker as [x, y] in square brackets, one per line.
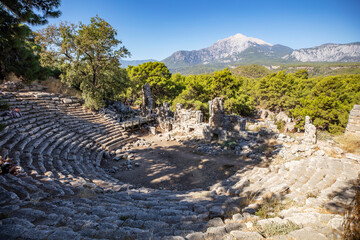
[63, 193]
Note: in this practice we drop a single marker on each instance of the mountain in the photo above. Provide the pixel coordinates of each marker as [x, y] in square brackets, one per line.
[327, 53]
[240, 49]
[126, 63]
[234, 49]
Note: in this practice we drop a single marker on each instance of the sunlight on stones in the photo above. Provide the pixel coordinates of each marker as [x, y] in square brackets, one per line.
[167, 175]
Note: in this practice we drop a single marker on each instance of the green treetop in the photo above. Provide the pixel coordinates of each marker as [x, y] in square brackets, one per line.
[88, 57]
[17, 48]
[164, 87]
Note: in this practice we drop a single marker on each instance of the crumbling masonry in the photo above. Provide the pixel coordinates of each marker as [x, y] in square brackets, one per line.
[220, 125]
[353, 125]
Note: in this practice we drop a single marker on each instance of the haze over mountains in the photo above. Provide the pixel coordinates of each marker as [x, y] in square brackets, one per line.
[240, 49]
[126, 63]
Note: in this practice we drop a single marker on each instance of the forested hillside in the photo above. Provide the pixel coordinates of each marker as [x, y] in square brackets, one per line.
[327, 100]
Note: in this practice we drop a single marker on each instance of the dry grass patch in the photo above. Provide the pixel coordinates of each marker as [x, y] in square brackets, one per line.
[349, 142]
[352, 217]
[56, 86]
[324, 136]
[312, 194]
[271, 207]
[273, 229]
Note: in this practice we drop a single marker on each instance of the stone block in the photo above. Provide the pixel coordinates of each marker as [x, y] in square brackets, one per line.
[306, 234]
[152, 130]
[67, 100]
[240, 235]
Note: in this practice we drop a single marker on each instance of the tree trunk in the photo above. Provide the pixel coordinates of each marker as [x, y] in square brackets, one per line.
[3, 73]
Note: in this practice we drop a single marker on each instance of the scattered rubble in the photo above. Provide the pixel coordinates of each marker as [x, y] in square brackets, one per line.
[220, 125]
[118, 111]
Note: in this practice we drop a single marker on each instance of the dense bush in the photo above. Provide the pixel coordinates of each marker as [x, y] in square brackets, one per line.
[164, 86]
[251, 71]
[327, 100]
[199, 89]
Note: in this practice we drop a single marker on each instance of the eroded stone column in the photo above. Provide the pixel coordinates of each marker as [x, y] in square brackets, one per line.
[217, 111]
[199, 116]
[147, 103]
[310, 131]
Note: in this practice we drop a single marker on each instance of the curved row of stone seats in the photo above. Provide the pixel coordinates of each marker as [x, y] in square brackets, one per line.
[318, 188]
[75, 120]
[60, 156]
[113, 137]
[134, 214]
[317, 178]
[41, 147]
[63, 192]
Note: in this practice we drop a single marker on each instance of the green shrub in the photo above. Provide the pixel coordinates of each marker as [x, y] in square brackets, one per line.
[271, 207]
[4, 106]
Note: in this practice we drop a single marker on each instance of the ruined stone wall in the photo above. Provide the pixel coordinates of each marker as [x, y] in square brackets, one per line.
[187, 115]
[186, 120]
[353, 125]
[218, 118]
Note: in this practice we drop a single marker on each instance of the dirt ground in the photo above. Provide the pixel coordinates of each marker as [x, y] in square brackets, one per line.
[171, 165]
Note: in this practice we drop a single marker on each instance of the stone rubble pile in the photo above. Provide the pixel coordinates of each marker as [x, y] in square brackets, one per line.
[118, 111]
[187, 121]
[270, 120]
[18, 86]
[250, 144]
[224, 126]
[164, 117]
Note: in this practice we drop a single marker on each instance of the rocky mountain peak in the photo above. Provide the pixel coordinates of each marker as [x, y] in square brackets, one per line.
[240, 39]
[239, 48]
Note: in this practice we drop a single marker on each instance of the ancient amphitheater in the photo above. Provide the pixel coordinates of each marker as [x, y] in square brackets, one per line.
[62, 191]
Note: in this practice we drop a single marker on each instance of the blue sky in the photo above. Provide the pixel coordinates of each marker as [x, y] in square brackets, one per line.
[157, 28]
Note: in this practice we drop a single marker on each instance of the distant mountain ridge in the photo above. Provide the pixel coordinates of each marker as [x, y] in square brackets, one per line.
[126, 63]
[240, 49]
[329, 52]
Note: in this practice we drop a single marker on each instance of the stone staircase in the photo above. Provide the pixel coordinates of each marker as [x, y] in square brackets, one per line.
[63, 193]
